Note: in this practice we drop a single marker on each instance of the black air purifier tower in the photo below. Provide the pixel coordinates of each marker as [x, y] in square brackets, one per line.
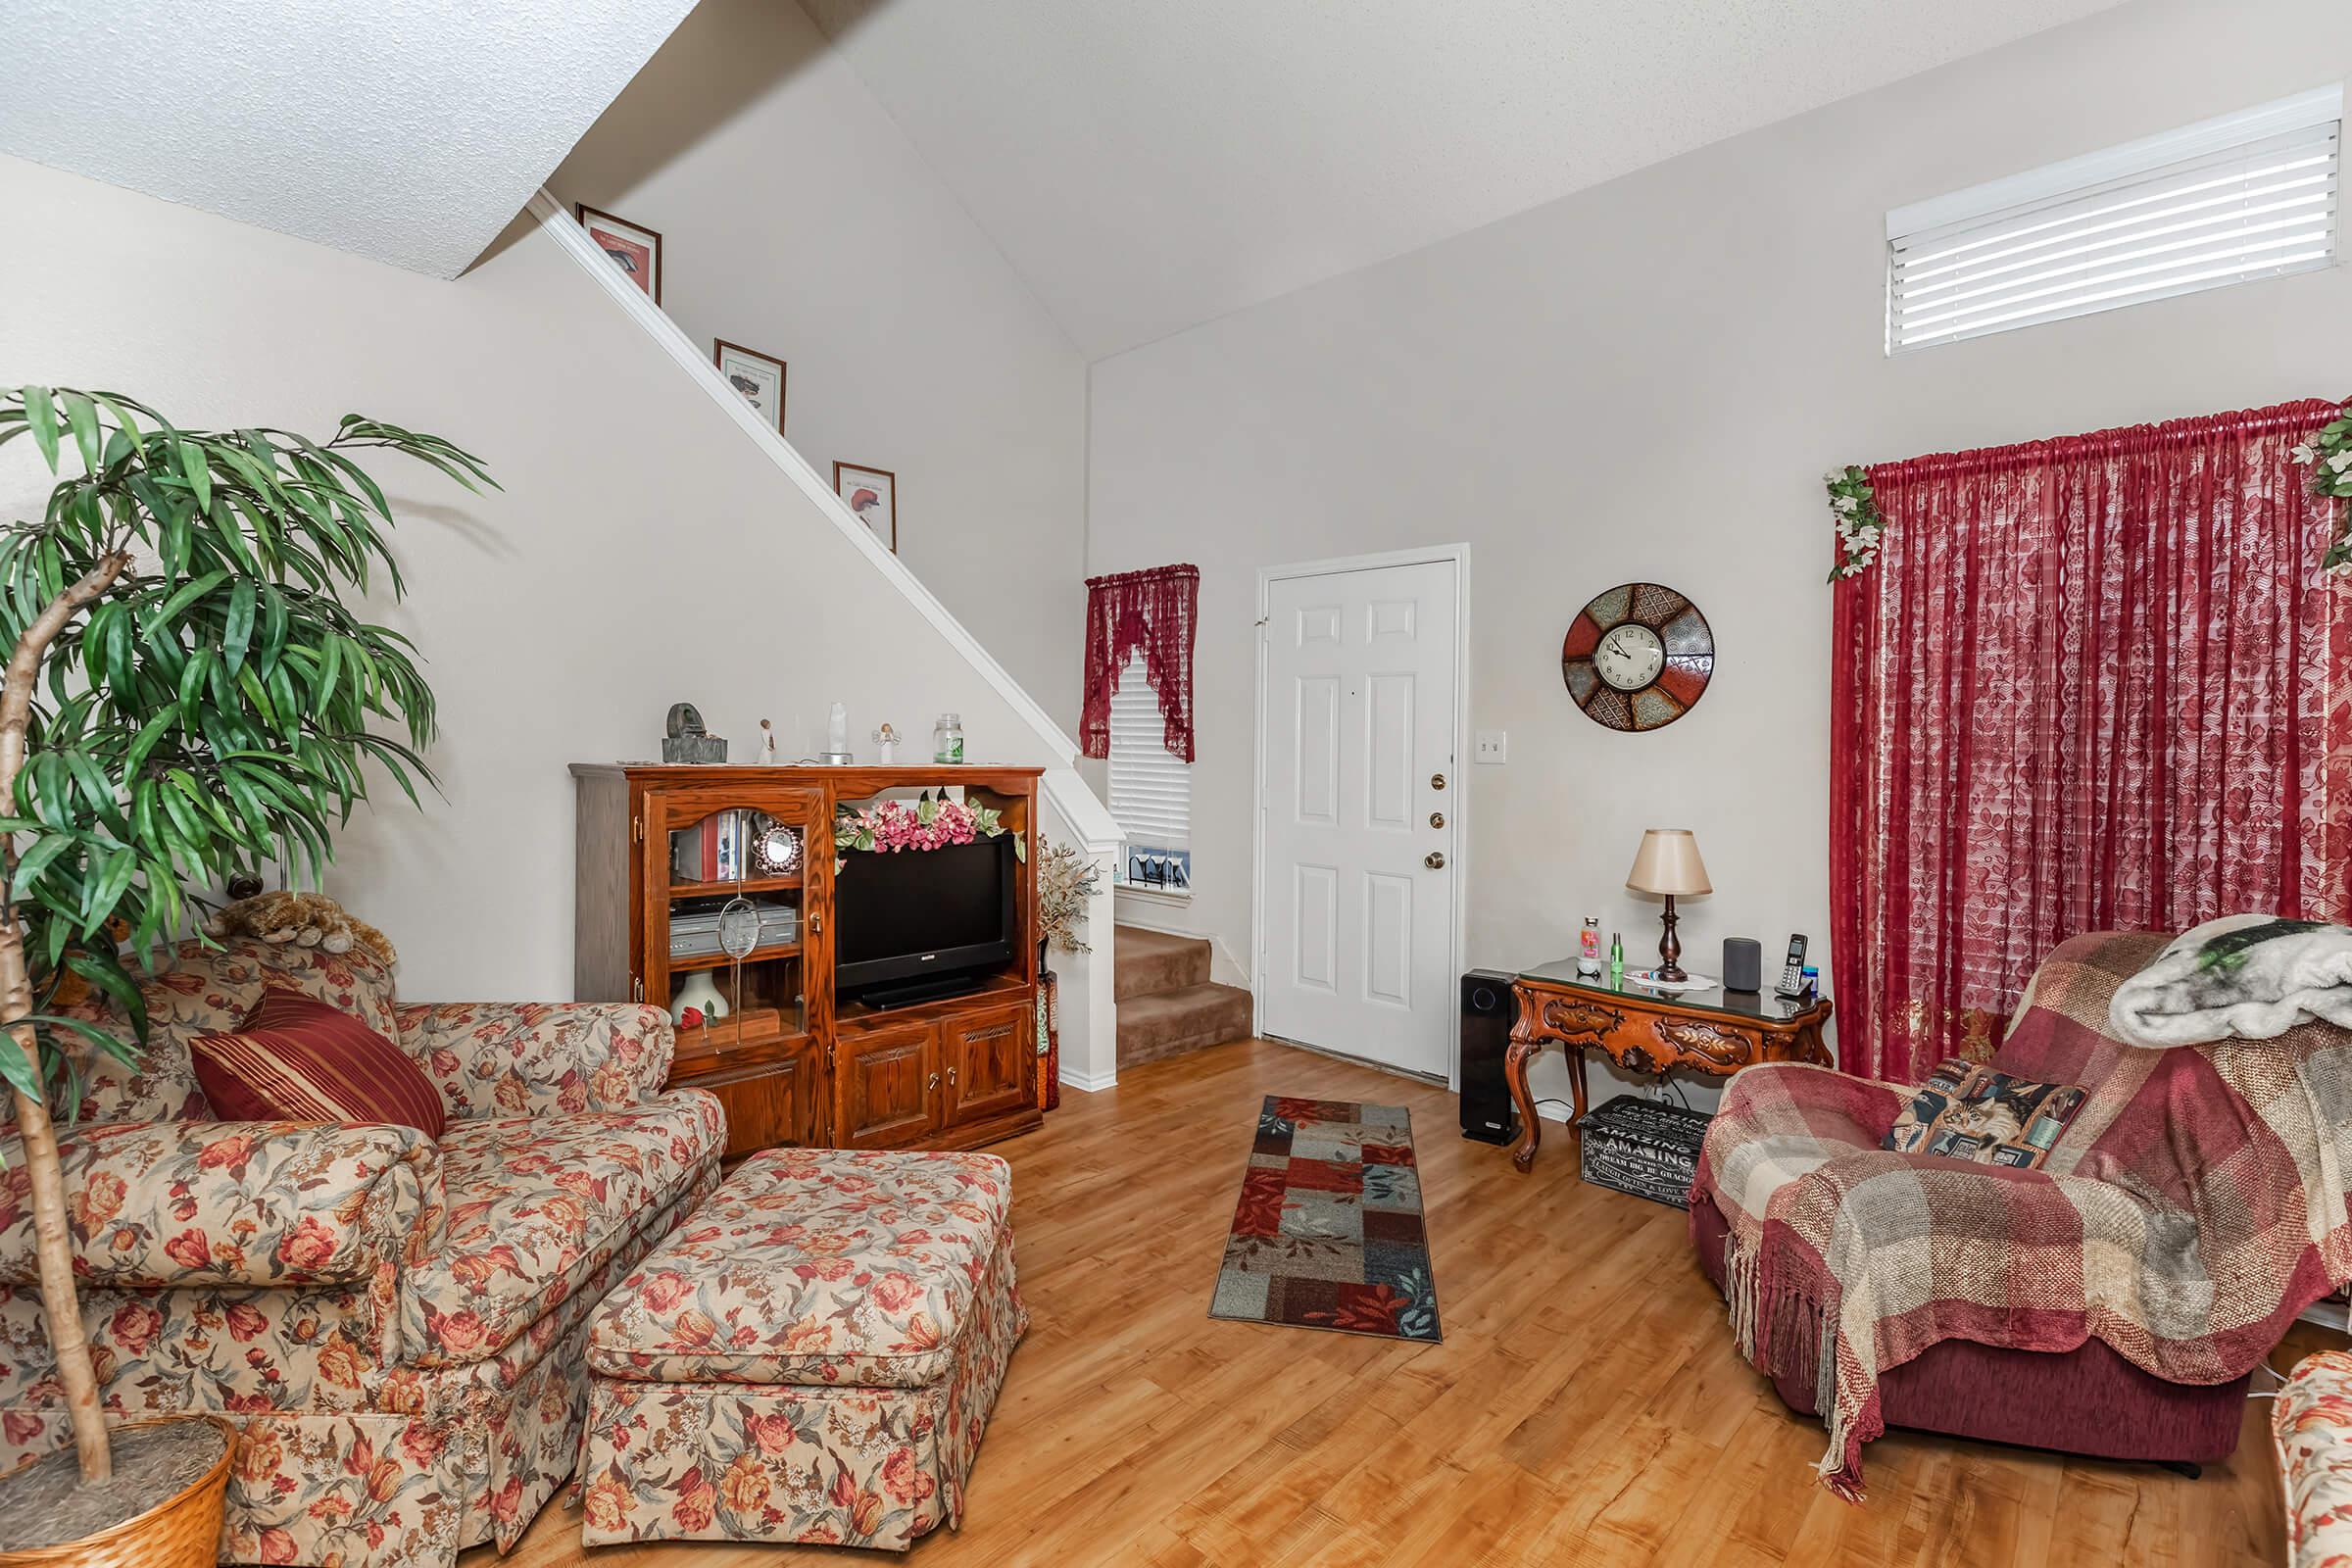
[1487, 1113]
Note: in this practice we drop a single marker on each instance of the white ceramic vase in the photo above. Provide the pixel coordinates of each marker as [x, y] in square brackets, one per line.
[699, 991]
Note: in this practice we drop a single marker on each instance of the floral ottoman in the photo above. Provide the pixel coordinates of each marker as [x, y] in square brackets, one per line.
[812, 1357]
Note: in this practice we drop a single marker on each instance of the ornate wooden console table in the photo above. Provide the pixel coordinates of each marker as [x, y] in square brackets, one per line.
[1712, 1031]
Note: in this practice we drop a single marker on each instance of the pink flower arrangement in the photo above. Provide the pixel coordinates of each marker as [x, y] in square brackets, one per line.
[897, 827]
[923, 824]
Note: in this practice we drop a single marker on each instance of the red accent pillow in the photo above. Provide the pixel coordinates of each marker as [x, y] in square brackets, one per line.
[299, 1059]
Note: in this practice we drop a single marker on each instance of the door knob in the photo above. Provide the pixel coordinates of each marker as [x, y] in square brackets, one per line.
[1436, 781]
[1437, 819]
[934, 1083]
[1435, 860]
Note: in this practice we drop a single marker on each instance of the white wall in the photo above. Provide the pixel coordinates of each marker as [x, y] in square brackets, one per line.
[643, 548]
[798, 220]
[1645, 381]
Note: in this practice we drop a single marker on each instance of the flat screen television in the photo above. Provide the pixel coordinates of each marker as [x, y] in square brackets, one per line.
[918, 923]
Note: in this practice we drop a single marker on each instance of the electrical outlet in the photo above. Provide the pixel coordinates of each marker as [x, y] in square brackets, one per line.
[1494, 746]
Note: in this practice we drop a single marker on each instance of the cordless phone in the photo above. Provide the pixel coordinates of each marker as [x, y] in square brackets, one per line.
[1792, 975]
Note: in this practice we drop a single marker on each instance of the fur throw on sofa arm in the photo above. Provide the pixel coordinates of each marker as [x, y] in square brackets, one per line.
[2244, 976]
[304, 919]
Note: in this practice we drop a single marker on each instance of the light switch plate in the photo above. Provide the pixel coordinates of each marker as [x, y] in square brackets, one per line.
[1494, 746]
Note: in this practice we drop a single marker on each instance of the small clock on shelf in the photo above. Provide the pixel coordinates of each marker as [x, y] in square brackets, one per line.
[775, 848]
[1638, 656]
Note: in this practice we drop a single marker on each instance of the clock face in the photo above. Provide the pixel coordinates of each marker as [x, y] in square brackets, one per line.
[1629, 656]
[1638, 656]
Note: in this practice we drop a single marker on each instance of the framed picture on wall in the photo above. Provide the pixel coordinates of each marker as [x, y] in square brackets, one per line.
[635, 249]
[757, 377]
[873, 495]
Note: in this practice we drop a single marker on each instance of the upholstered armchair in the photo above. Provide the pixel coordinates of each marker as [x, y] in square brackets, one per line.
[395, 1323]
[2111, 1301]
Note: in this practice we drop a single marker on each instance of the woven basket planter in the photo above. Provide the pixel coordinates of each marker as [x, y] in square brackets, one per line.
[180, 1532]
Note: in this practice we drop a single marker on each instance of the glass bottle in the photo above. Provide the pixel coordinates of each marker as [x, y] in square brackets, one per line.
[946, 740]
[1616, 956]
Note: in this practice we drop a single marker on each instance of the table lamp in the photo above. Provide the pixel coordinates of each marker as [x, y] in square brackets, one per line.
[1668, 863]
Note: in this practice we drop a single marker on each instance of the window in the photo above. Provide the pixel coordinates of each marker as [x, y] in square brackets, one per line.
[2246, 196]
[1150, 788]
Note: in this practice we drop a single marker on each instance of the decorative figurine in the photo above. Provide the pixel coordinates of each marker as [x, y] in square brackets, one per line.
[767, 741]
[687, 741]
[888, 739]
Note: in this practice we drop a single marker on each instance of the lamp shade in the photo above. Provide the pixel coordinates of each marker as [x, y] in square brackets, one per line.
[1668, 863]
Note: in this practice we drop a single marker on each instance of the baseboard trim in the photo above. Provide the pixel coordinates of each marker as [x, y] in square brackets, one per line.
[1146, 912]
[1087, 1084]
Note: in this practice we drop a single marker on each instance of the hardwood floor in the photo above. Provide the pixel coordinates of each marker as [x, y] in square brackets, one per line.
[1586, 1406]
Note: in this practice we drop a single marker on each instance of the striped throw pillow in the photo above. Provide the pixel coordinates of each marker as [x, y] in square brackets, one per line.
[298, 1059]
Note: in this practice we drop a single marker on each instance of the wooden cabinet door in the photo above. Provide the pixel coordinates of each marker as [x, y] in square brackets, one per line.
[775, 1103]
[991, 1059]
[887, 1087]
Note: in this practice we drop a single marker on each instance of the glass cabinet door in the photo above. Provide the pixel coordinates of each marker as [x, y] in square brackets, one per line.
[733, 931]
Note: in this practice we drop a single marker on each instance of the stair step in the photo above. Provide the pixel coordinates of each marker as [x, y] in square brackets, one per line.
[1150, 961]
[1169, 1023]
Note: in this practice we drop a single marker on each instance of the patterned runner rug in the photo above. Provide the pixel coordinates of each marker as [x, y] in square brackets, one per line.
[1328, 1233]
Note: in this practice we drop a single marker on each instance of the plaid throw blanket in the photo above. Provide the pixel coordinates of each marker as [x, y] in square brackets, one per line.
[2195, 1204]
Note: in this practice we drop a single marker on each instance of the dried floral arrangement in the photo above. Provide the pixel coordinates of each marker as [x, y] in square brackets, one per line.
[1067, 878]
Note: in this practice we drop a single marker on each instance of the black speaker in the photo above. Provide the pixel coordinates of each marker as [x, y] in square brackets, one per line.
[1743, 965]
[1487, 1113]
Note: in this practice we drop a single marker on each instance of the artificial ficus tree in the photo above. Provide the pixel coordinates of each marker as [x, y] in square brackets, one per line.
[188, 698]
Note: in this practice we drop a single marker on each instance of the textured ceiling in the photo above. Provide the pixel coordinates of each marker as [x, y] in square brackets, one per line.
[1150, 166]
[408, 130]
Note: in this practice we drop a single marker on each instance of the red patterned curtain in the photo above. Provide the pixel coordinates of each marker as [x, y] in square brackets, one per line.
[1157, 610]
[2087, 684]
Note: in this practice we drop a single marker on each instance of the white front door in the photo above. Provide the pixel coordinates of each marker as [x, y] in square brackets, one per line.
[1359, 802]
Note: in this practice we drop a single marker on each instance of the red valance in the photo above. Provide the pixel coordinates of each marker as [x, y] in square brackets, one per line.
[1155, 611]
[2090, 683]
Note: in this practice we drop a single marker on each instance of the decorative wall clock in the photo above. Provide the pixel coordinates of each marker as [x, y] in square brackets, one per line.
[1638, 656]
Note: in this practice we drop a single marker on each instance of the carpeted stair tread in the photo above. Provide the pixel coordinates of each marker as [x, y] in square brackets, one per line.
[1169, 1023]
[1149, 961]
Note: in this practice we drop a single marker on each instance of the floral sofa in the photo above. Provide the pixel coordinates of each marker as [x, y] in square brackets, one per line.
[2311, 1425]
[396, 1325]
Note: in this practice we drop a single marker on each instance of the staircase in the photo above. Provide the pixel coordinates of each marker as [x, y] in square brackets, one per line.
[1167, 1003]
[1022, 733]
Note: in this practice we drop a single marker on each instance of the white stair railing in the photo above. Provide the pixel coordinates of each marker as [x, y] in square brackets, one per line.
[1074, 814]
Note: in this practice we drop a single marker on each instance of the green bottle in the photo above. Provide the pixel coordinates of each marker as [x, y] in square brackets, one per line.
[1616, 957]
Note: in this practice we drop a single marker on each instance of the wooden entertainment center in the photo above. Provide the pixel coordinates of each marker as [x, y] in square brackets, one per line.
[791, 1062]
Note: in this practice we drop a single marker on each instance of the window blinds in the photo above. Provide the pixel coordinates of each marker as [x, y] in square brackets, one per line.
[2248, 196]
[1150, 787]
